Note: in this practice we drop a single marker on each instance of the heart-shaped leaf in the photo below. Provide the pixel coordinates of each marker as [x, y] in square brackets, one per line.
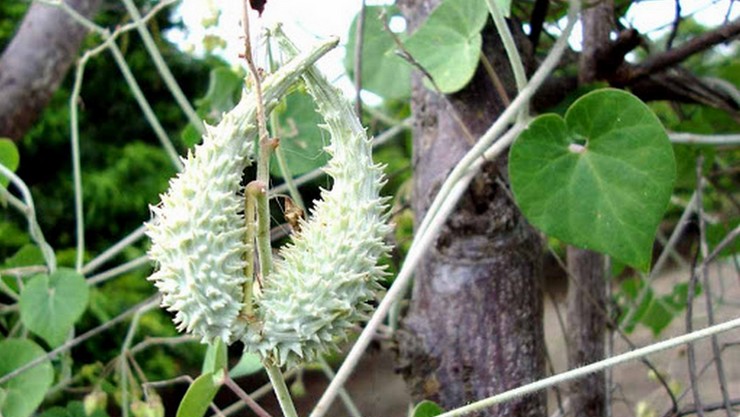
[302, 141]
[383, 71]
[448, 44]
[223, 87]
[200, 394]
[20, 396]
[50, 304]
[599, 179]
[9, 157]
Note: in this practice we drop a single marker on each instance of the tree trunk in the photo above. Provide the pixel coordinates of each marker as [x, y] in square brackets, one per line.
[474, 327]
[587, 293]
[36, 61]
[586, 325]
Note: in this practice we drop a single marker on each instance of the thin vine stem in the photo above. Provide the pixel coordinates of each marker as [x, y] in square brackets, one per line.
[295, 195]
[515, 60]
[703, 275]
[262, 184]
[114, 250]
[258, 190]
[349, 404]
[146, 108]
[28, 209]
[76, 169]
[279, 153]
[123, 362]
[250, 208]
[281, 389]
[119, 270]
[162, 68]
[694, 138]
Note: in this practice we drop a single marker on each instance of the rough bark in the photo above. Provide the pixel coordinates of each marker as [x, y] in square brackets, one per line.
[474, 325]
[586, 302]
[36, 61]
[586, 298]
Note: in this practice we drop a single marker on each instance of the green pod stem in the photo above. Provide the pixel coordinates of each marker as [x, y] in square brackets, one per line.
[197, 230]
[321, 285]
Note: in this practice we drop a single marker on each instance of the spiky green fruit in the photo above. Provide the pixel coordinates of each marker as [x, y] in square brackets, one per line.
[197, 230]
[321, 286]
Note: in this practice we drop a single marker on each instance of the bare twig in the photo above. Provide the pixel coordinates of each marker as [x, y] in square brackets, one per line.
[674, 28]
[114, 250]
[244, 397]
[690, 351]
[497, 84]
[257, 394]
[708, 292]
[119, 270]
[708, 407]
[539, 13]
[700, 43]
[614, 326]
[726, 241]
[161, 341]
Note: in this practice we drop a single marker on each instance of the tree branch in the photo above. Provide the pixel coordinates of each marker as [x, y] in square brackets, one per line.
[698, 44]
[36, 61]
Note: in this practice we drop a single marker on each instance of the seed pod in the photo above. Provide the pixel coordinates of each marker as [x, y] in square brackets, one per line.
[321, 286]
[197, 230]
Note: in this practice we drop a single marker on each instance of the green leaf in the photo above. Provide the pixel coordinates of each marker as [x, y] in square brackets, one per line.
[658, 315]
[448, 44]
[249, 364]
[24, 393]
[51, 304]
[301, 140]
[200, 394]
[426, 408]
[190, 136]
[599, 179]
[383, 71]
[9, 157]
[627, 297]
[223, 87]
[216, 357]
[27, 255]
[73, 409]
[717, 232]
